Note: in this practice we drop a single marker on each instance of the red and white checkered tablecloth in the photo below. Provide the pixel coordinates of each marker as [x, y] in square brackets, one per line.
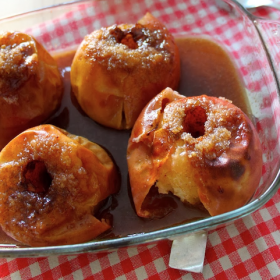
[247, 249]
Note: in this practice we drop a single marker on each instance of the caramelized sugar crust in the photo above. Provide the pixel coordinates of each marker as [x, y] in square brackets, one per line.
[202, 149]
[51, 183]
[30, 84]
[118, 69]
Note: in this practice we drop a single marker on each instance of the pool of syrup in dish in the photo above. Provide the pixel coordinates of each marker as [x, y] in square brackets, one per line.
[205, 69]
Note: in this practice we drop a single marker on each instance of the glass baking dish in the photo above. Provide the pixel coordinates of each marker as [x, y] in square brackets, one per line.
[252, 44]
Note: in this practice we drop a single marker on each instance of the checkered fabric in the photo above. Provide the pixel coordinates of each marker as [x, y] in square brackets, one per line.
[248, 248]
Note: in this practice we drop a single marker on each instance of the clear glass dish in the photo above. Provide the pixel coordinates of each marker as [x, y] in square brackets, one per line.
[252, 43]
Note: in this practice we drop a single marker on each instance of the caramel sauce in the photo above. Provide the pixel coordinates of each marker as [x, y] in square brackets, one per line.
[205, 69]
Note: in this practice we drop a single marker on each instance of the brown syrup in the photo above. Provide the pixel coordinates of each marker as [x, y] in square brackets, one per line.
[206, 69]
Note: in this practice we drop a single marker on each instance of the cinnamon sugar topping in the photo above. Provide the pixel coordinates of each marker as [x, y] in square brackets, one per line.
[129, 46]
[216, 125]
[17, 61]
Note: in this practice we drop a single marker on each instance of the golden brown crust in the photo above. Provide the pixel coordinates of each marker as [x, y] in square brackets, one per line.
[117, 70]
[30, 84]
[202, 149]
[50, 184]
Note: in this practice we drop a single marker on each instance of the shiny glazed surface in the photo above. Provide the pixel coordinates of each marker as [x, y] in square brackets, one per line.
[51, 184]
[30, 84]
[118, 69]
[202, 149]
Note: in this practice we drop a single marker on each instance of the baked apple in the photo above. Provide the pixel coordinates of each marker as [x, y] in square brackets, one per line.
[118, 69]
[31, 86]
[202, 149]
[51, 185]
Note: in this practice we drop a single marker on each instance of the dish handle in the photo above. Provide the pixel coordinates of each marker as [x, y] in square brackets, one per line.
[188, 251]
